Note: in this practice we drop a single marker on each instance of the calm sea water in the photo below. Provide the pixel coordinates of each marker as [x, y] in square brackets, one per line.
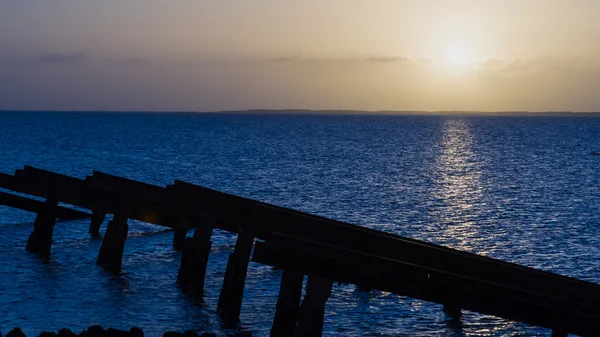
[522, 189]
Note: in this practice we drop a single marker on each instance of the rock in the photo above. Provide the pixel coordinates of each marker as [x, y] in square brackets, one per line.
[16, 332]
[186, 333]
[208, 334]
[116, 333]
[48, 334]
[136, 332]
[172, 334]
[84, 333]
[66, 333]
[96, 331]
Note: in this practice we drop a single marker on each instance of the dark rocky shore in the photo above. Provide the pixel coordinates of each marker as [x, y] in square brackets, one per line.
[98, 331]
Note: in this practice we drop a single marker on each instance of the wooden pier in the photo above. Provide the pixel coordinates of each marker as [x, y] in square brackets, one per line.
[323, 250]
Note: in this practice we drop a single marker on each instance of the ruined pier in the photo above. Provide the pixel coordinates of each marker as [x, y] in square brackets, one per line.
[302, 245]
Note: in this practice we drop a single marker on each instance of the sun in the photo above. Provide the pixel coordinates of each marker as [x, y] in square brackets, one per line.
[458, 56]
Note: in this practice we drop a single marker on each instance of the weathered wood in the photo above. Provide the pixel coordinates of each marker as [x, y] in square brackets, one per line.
[288, 304]
[35, 206]
[96, 222]
[111, 252]
[40, 240]
[232, 291]
[192, 271]
[312, 310]
[345, 266]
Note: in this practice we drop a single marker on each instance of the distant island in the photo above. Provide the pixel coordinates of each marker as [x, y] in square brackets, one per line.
[342, 112]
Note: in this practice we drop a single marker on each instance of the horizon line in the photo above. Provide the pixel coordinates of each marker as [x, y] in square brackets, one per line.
[332, 112]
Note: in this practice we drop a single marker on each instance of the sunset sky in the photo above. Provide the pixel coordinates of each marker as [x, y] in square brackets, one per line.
[205, 55]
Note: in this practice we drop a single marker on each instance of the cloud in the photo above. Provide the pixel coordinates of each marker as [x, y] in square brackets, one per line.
[63, 58]
[388, 59]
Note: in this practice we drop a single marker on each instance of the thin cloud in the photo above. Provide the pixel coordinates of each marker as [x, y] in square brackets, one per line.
[388, 59]
[63, 58]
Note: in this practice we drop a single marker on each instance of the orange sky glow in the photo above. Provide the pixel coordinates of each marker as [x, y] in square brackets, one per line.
[186, 55]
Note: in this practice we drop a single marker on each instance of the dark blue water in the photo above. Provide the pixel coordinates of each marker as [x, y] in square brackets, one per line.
[522, 189]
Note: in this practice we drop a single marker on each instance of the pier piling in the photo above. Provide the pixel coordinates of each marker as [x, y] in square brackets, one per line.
[453, 311]
[40, 240]
[180, 236]
[111, 252]
[312, 310]
[96, 222]
[288, 304]
[194, 259]
[230, 299]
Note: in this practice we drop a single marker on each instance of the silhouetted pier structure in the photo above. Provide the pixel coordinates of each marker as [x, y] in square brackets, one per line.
[324, 250]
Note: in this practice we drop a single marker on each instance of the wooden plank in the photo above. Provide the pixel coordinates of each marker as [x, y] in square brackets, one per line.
[35, 206]
[264, 218]
[345, 266]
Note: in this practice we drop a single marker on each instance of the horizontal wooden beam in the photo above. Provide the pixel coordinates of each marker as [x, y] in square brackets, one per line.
[154, 196]
[77, 192]
[35, 206]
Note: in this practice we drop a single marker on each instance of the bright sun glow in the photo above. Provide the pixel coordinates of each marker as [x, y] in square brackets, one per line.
[458, 56]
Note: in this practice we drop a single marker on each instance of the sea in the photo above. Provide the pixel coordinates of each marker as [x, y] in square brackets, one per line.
[523, 189]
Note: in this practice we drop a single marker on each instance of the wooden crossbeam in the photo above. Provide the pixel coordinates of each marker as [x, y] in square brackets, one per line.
[35, 206]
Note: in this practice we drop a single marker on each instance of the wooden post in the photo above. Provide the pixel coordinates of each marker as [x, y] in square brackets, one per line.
[288, 304]
[312, 310]
[96, 222]
[558, 333]
[40, 240]
[230, 299]
[194, 259]
[179, 236]
[453, 311]
[111, 252]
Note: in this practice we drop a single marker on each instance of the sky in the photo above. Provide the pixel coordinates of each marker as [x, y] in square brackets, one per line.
[213, 55]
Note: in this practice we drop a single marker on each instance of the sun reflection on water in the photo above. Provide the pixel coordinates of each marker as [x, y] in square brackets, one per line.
[458, 192]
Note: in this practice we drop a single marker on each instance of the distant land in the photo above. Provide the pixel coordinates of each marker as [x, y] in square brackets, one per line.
[343, 112]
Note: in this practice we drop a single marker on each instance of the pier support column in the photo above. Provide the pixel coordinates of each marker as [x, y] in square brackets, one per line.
[180, 236]
[230, 299]
[452, 311]
[312, 310]
[40, 240]
[288, 304]
[96, 222]
[194, 259]
[557, 333]
[111, 252]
